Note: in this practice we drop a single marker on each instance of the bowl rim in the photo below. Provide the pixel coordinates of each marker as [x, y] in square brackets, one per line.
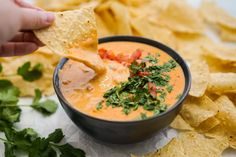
[138, 39]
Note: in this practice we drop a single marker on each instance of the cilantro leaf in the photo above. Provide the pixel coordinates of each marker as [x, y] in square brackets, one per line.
[9, 96]
[47, 107]
[99, 106]
[56, 136]
[69, 151]
[1, 68]
[151, 59]
[41, 148]
[20, 139]
[9, 150]
[169, 88]
[29, 73]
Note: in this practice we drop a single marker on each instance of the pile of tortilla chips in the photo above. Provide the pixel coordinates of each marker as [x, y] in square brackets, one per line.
[207, 121]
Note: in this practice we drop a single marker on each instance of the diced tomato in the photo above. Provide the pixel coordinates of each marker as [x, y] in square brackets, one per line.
[122, 58]
[152, 89]
[111, 55]
[136, 55]
[103, 53]
[143, 73]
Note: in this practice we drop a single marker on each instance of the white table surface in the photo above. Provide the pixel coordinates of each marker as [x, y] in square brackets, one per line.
[45, 125]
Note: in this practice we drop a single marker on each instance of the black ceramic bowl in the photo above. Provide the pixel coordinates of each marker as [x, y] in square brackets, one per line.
[123, 132]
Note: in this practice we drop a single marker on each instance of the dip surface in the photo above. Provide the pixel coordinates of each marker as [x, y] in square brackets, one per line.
[85, 92]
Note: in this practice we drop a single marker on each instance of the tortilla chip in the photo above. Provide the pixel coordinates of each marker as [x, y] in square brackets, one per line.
[196, 145]
[49, 61]
[173, 149]
[227, 116]
[222, 83]
[174, 17]
[74, 35]
[227, 34]
[197, 110]
[192, 144]
[221, 132]
[227, 113]
[102, 28]
[145, 28]
[214, 14]
[180, 124]
[224, 53]
[200, 77]
[208, 124]
[62, 5]
[117, 17]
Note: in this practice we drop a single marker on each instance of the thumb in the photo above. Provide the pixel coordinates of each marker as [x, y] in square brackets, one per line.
[35, 19]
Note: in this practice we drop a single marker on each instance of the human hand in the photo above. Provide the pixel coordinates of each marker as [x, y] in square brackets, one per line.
[18, 19]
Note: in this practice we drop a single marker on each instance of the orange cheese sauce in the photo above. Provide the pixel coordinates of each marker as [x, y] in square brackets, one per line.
[84, 90]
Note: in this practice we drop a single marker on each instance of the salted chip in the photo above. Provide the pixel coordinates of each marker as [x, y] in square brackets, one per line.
[227, 116]
[117, 17]
[180, 124]
[224, 53]
[200, 76]
[173, 149]
[214, 14]
[208, 124]
[197, 110]
[145, 28]
[41, 56]
[192, 144]
[222, 83]
[227, 34]
[74, 35]
[197, 145]
[62, 5]
[174, 17]
[227, 113]
[102, 28]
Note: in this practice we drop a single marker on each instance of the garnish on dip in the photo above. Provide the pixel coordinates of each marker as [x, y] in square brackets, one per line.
[147, 86]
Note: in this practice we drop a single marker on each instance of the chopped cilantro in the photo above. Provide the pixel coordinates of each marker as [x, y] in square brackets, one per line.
[1, 67]
[46, 107]
[136, 91]
[178, 96]
[151, 59]
[29, 73]
[143, 116]
[169, 88]
[99, 106]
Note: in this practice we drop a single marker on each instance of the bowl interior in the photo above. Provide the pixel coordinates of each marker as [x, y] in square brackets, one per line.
[169, 51]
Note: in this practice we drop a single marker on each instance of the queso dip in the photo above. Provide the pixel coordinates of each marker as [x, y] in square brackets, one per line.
[140, 81]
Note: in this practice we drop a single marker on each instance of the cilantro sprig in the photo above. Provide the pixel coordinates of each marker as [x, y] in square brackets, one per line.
[28, 140]
[147, 86]
[30, 73]
[46, 107]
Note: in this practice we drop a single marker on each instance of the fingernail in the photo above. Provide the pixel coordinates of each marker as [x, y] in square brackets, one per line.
[49, 17]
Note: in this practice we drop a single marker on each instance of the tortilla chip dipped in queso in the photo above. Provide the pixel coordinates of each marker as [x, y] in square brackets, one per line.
[141, 81]
[74, 35]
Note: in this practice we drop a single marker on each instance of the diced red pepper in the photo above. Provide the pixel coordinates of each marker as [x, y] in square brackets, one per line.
[122, 58]
[103, 53]
[136, 55]
[143, 73]
[152, 89]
